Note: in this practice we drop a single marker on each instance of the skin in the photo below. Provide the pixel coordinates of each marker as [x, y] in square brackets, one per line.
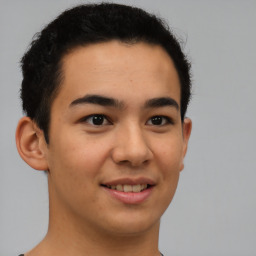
[81, 156]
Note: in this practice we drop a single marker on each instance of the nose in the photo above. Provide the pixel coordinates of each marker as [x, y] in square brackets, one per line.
[131, 147]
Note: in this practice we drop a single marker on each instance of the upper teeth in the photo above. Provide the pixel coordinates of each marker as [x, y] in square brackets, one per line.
[128, 188]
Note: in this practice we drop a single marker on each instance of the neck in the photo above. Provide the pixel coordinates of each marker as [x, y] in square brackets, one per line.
[112, 245]
[68, 242]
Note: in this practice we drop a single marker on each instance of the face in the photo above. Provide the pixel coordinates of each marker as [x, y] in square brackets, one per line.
[117, 142]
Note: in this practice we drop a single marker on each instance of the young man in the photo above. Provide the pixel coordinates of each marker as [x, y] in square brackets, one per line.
[105, 91]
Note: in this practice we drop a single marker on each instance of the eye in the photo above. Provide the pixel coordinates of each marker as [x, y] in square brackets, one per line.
[96, 120]
[159, 120]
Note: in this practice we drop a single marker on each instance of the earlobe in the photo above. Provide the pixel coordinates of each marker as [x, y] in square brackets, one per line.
[31, 144]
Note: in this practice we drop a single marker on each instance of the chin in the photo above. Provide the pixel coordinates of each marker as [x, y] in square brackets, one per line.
[133, 224]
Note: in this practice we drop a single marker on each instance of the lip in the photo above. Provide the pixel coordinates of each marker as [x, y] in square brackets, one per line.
[130, 181]
[129, 197]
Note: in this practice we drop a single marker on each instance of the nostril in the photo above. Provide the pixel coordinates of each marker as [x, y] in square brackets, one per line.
[131, 152]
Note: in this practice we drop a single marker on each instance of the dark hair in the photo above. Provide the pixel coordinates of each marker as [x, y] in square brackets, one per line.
[83, 25]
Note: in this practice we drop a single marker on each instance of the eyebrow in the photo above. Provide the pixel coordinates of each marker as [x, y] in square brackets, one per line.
[98, 100]
[162, 102]
[111, 102]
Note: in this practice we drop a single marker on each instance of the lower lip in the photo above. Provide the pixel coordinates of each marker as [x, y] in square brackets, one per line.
[130, 197]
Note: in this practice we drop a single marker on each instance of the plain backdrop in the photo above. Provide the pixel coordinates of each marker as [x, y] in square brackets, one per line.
[214, 209]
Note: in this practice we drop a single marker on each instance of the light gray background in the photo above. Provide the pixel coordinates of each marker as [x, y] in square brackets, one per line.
[214, 209]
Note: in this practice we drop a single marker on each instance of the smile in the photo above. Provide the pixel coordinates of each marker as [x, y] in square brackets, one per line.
[128, 188]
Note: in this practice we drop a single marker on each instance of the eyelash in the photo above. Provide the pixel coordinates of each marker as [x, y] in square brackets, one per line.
[168, 120]
[104, 118]
[98, 117]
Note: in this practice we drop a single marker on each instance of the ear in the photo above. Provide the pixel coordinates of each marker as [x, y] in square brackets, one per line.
[186, 129]
[31, 144]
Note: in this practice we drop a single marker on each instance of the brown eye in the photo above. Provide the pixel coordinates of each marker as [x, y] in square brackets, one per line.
[96, 120]
[159, 120]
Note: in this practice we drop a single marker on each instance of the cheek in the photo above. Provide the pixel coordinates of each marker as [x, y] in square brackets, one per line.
[74, 169]
[169, 154]
[169, 158]
[78, 158]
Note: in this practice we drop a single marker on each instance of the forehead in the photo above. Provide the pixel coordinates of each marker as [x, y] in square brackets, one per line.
[115, 66]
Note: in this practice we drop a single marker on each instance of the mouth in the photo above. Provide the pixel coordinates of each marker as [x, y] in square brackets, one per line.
[137, 188]
[130, 190]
